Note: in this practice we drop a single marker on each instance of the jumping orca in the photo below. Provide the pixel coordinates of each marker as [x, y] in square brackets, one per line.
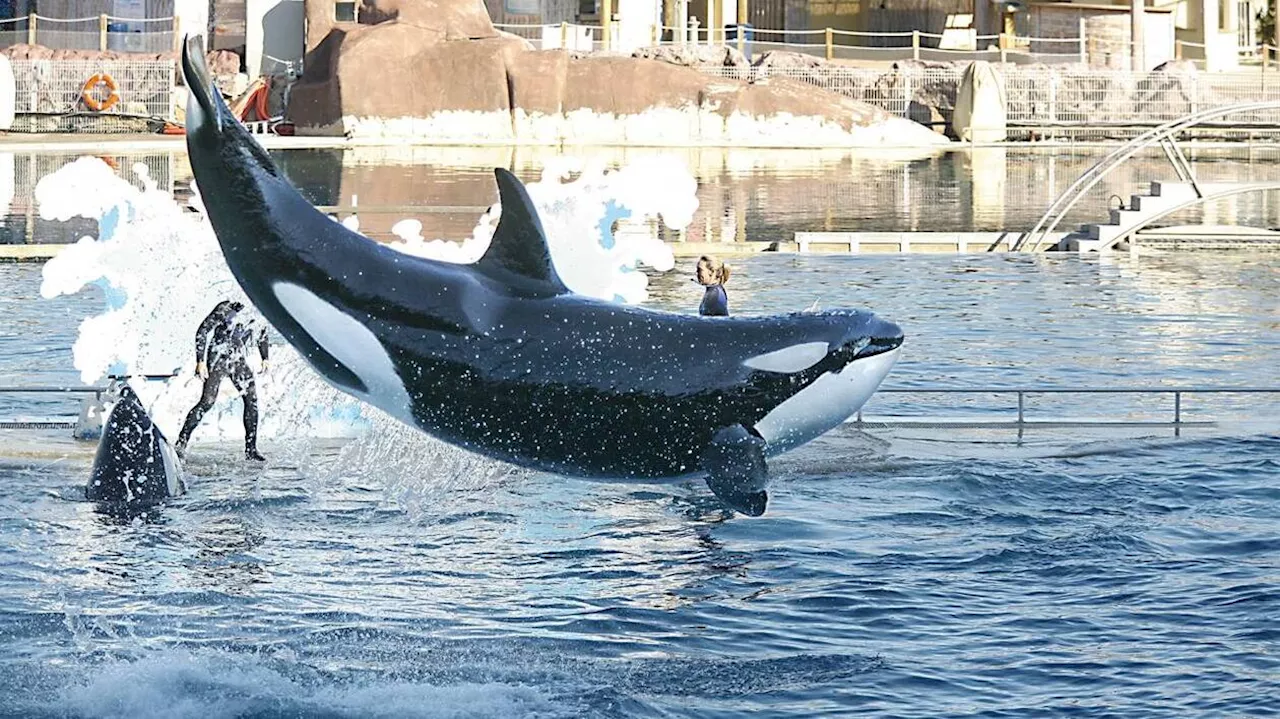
[134, 463]
[500, 358]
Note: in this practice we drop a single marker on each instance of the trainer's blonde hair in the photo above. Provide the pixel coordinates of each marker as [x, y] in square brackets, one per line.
[712, 271]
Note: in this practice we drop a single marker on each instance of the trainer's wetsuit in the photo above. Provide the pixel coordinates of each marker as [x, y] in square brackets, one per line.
[715, 301]
[221, 344]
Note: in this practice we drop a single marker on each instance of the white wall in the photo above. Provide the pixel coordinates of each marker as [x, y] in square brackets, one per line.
[636, 21]
[193, 17]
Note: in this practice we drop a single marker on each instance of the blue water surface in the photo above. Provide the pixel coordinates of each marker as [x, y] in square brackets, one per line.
[895, 574]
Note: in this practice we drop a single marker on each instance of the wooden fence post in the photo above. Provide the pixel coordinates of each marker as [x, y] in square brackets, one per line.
[606, 23]
[831, 50]
[102, 32]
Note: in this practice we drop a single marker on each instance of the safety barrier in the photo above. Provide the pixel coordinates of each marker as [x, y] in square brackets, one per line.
[1050, 101]
[51, 95]
[1176, 414]
[100, 32]
[833, 44]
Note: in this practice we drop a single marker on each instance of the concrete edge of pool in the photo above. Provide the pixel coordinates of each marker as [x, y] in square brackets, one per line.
[97, 143]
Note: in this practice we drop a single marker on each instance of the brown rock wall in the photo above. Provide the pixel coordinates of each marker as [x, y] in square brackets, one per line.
[538, 81]
[628, 86]
[467, 76]
[438, 56]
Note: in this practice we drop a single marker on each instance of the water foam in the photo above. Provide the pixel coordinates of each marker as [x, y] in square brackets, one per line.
[161, 270]
[176, 684]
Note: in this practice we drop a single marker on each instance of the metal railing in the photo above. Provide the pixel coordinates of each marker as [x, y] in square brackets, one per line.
[100, 32]
[1112, 53]
[49, 95]
[1163, 134]
[1047, 102]
[1176, 418]
[828, 43]
[47, 422]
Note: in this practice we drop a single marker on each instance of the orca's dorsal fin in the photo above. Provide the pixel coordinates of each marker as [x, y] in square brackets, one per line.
[519, 244]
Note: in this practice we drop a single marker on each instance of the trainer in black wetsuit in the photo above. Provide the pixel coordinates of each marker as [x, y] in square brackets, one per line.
[221, 354]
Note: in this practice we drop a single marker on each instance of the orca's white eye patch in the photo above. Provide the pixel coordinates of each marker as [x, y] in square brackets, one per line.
[789, 359]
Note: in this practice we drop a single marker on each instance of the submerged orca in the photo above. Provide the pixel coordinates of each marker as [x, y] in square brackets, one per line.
[500, 358]
[134, 463]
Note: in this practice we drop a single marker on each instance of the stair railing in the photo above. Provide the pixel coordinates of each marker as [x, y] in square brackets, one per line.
[1163, 134]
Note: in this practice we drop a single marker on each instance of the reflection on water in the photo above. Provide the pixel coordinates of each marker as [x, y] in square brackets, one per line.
[759, 195]
[20, 220]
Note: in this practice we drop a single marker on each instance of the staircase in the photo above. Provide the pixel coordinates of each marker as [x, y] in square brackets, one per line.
[1162, 199]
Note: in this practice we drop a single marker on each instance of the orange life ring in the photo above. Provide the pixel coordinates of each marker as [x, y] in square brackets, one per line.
[93, 103]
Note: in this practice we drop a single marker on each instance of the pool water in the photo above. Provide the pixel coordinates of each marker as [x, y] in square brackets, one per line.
[896, 573]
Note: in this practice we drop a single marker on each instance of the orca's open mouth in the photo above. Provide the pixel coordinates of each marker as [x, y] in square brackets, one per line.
[882, 336]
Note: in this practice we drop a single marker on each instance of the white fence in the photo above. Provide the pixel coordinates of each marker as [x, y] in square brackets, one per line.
[1050, 101]
[103, 32]
[831, 44]
[49, 95]
[825, 43]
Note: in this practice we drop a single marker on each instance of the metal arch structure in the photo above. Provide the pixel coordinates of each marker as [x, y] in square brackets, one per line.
[1163, 135]
[1199, 199]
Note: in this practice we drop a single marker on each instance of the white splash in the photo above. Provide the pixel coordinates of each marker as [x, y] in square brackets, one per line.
[161, 270]
[579, 216]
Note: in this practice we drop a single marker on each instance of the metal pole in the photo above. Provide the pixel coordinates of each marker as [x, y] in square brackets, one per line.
[1020, 407]
[682, 21]
[1137, 14]
[31, 29]
[1084, 46]
[831, 51]
[915, 44]
[102, 32]
[1275, 24]
[1177, 408]
[715, 22]
[743, 19]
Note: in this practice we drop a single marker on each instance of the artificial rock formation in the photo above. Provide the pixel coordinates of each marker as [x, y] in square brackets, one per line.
[438, 69]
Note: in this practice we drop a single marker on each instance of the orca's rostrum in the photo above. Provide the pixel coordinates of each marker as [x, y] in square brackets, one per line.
[500, 358]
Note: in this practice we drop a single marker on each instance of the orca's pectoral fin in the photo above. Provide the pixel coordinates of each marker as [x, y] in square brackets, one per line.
[736, 470]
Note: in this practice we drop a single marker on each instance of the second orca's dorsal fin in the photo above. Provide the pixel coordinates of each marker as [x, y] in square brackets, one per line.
[519, 244]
